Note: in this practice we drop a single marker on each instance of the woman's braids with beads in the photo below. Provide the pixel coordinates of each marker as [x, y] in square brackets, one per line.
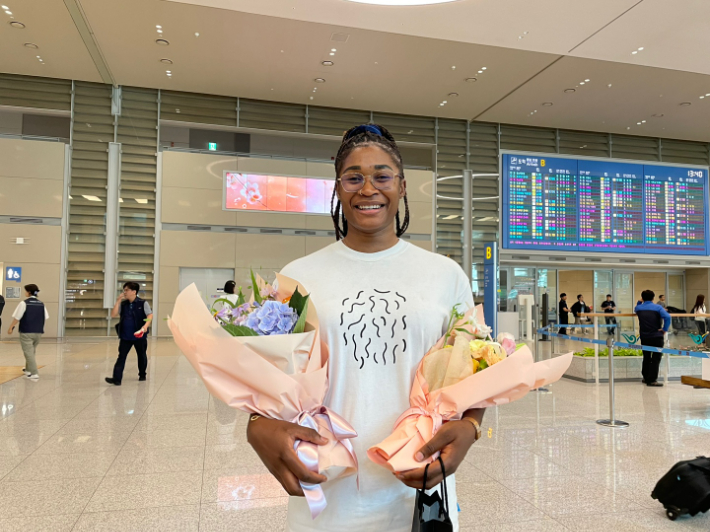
[385, 142]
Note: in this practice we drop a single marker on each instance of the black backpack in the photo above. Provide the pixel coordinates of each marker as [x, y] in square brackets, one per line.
[685, 489]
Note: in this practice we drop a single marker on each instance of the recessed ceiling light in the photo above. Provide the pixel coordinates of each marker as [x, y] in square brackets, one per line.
[17, 25]
[401, 2]
[627, 127]
[643, 121]
[685, 104]
[701, 97]
[569, 91]
[5, 7]
[159, 26]
[483, 68]
[471, 80]
[166, 61]
[609, 85]
[333, 50]
[708, 94]
[8, 12]
[547, 104]
[169, 71]
[641, 48]
[634, 52]
[327, 63]
[638, 123]
[31, 45]
[586, 80]
[331, 53]
[453, 94]
[319, 80]
[311, 97]
[162, 42]
[480, 71]
[197, 34]
[581, 82]
[160, 31]
[453, 67]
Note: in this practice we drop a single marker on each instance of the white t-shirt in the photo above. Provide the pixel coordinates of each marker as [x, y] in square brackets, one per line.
[379, 313]
[232, 298]
[700, 310]
[20, 311]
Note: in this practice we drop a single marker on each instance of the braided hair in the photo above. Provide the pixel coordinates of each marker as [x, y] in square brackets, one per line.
[358, 137]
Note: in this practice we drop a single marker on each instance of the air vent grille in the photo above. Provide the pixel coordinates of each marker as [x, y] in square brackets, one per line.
[199, 228]
[271, 231]
[26, 221]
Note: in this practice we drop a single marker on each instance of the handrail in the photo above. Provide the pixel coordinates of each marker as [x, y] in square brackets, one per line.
[612, 315]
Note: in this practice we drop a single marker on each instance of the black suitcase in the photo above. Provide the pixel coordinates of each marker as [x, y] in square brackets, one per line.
[685, 489]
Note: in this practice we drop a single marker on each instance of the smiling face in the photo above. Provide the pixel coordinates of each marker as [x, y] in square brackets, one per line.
[371, 211]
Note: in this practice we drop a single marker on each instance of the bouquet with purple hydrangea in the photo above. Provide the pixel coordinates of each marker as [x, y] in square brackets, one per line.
[264, 315]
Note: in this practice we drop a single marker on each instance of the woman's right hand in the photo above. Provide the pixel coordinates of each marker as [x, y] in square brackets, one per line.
[273, 441]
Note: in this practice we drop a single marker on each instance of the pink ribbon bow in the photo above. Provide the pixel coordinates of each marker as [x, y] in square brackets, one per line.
[323, 421]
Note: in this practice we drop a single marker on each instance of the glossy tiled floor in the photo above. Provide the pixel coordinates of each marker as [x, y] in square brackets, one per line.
[77, 454]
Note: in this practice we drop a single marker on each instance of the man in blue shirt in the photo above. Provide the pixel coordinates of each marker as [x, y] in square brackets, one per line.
[135, 317]
[654, 322]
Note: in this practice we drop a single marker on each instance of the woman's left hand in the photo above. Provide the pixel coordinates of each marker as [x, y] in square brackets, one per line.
[453, 440]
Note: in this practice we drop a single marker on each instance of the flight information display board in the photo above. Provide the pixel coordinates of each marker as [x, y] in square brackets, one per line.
[553, 203]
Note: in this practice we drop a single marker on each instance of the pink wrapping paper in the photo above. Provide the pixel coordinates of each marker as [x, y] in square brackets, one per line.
[282, 377]
[501, 383]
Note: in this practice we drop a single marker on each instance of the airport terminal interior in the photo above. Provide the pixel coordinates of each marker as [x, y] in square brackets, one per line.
[555, 155]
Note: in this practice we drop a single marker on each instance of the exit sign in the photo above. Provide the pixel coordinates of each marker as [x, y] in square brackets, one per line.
[212, 146]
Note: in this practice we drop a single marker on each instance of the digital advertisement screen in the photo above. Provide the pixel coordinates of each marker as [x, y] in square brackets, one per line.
[553, 203]
[257, 192]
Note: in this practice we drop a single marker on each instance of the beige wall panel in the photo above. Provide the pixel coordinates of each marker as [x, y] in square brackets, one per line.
[419, 186]
[573, 282]
[420, 221]
[272, 166]
[326, 170]
[44, 275]
[195, 170]
[197, 249]
[51, 328]
[655, 281]
[164, 310]
[697, 282]
[30, 158]
[315, 243]
[323, 223]
[46, 197]
[169, 283]
[424, 244]
[195, 206]
[268, 251]
[42, 243]
[271, 219]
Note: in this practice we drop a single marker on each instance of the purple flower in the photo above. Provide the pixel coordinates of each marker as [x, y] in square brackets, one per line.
[271, 317]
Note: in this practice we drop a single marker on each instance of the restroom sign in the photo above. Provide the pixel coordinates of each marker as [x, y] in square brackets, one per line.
[13, 273]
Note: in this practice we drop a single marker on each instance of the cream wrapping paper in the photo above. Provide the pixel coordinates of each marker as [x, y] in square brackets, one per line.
[280, 376]
[501, 383]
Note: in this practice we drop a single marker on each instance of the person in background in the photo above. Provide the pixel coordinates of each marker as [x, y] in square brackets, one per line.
[662, 301]
[580, 307]
[31, 315]
[134, 316]
[654, 323]
[2, 306]
[609, 307]
[564, 313]
[699, 311]
[229, 294]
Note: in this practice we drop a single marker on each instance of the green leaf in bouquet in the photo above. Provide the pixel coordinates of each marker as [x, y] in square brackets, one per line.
[241, 299]
[224, 302]
[239, 330]
[299, 303]
[460, 329]
[255, 288]
[483, 364]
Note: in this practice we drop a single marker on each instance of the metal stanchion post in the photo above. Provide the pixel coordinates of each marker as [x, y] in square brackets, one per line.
[612, 421]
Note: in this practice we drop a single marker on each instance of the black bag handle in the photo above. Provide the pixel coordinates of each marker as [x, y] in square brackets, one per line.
[445, 493]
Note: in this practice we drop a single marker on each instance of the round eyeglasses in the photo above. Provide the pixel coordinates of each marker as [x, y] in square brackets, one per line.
[354, 182]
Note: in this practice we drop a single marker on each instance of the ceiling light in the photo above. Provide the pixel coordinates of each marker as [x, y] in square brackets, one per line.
[197, 34]
[453, 67]
[162, 42]
[643, 121]
[17, 25]
[160, 31]
[708, 94]
[480, 71]
[569, 91]
[159, 26]
[453, 94]
[401, 2]
[333, 50]
[641, 48]
[166, 61]
[91, 198]
[331, 53]
[483, 68]
[169, 71]
[609, 85]
[5, 7]
[547, 104]
[702, 97]
[685, 104]
[8, 12]
[627, 127]
[31, 45]
[471, 80]
[319, 80]
[581, 82]
[445, 101]
[638, 123]
[311, 97]
[327, 63]
[634, 52]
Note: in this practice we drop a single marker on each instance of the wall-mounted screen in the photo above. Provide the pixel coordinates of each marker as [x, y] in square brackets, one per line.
[554, 203]
[257, 192]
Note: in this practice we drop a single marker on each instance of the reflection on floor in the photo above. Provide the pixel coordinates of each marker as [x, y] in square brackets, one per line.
[77, 454]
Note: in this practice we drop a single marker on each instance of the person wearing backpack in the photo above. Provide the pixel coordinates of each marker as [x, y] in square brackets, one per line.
[134, 316]
[30, 314]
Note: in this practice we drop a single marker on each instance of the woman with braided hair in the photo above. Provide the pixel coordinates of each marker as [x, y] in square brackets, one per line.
[382, 303]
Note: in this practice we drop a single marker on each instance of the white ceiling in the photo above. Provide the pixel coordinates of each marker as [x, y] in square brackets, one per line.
[395, 59]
